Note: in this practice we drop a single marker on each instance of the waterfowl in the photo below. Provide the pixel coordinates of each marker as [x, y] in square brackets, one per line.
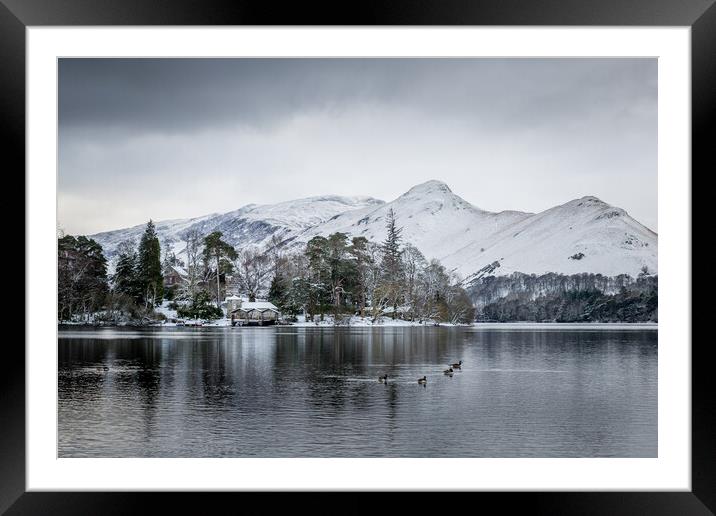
[457, 366]
[424, 379]
[448, 371]
[383, 379]
[105, 368]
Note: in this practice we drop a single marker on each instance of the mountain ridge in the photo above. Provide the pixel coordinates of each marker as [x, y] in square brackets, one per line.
[584, 235]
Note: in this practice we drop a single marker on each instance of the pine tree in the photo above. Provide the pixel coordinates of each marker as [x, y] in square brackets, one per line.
[318, 254]
[391, 248]
[342, 270]
[219, 252]
[391, 263]
[82, 276]
[278, 291]
[149, 267]
[125, 276]
[361, 260]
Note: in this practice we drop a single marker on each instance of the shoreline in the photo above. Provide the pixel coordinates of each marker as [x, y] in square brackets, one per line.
[525, 325]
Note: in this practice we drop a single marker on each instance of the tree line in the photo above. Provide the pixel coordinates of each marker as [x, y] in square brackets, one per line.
[555, 297]
[335, 275]
[339, 275]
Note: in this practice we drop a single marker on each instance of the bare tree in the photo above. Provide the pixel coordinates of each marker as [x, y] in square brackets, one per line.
[253, 270]
[433, 283]
[377, 301]
[193, 250]
[413, 264]
[276, 255]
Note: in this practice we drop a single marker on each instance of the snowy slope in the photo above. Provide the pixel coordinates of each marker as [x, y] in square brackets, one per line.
[434, 220]
[168, 230]
[467, 239]
[251, 225]
[583, 235]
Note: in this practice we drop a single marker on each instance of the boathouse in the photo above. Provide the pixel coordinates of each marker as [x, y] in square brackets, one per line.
[258, 313]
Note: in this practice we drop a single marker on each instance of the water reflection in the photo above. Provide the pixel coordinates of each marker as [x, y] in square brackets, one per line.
[290, 392]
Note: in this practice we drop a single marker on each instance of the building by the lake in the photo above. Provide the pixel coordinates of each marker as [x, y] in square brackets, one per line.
[243, 312]
[174, 275]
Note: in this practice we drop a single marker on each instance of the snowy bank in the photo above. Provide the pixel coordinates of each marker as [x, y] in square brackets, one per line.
[367, 321]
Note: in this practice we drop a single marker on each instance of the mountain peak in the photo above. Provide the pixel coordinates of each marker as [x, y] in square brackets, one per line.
[590, 199]
[432, 186]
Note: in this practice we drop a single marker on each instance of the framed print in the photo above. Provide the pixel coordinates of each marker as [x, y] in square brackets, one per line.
[419, 253]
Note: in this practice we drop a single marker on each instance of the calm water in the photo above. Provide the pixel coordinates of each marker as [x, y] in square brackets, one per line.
[311, 392]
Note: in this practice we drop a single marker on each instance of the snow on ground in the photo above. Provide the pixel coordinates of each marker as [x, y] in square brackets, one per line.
[385, 322]
[219, 322]
[165, 310]
[327, 322]
[364, 321]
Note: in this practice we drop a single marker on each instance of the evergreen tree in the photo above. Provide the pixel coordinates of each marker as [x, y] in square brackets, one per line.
[125, 277]
[82, 276]
[319, 295]
[342, 270]
[199, 308]
[218, 253]
[149, 267]
[298, 297]
[391, 247]
[278, 291]
[391, 262]
[361, 263]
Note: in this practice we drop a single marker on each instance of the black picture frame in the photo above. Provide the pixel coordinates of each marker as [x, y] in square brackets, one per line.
[16, 15]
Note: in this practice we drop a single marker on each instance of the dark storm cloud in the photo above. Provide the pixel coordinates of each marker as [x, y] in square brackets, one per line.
[188, 94]
[173, 138]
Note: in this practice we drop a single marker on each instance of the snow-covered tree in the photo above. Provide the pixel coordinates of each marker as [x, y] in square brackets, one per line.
[413, 265]
[253, 270]
[362, 262]
[391, 264]
[125, 280]
[193, 251]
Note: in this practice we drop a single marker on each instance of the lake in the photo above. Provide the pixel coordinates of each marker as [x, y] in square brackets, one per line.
[523, 391]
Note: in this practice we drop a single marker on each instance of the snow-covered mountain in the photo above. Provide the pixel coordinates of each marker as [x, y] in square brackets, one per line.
[582, 235]
[434, 220]
[251, 225]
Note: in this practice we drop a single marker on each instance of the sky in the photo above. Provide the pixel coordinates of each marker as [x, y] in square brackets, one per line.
[179, 138]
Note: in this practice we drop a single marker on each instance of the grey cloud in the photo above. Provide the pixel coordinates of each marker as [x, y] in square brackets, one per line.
[154, 137]
[187, 94]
